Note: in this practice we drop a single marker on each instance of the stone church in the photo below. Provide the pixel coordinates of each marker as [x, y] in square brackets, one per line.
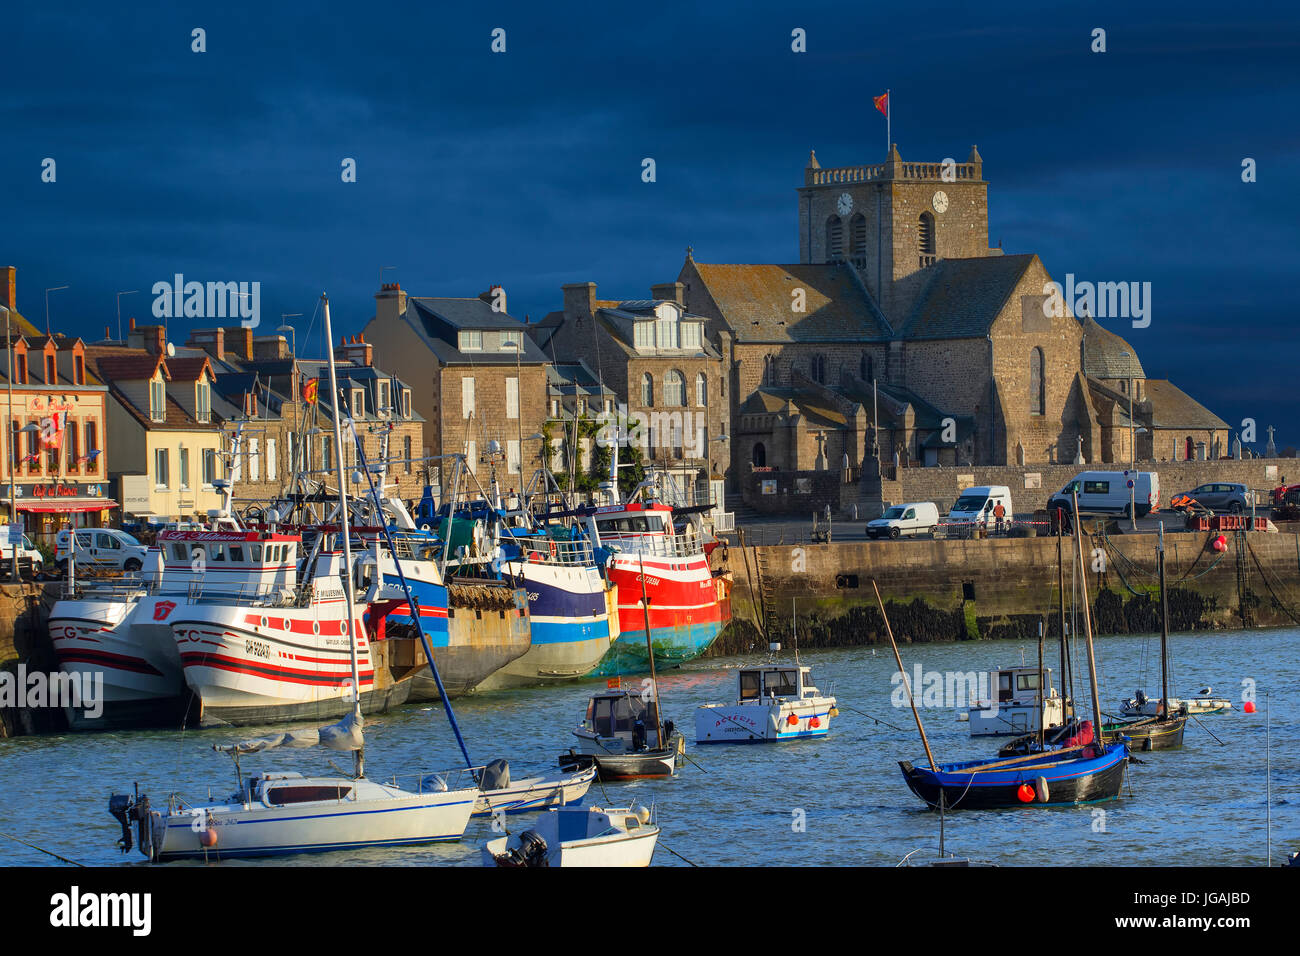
[901, 337]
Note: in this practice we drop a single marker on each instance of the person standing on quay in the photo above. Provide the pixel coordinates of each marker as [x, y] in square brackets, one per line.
[999, 513]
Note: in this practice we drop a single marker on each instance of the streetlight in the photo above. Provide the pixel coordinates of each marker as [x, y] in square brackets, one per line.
[47, 305]
[119, 312]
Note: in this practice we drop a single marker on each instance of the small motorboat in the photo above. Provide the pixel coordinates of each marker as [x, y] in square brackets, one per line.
[498, 793]
[773, 702]
[579, 836]
[1204, 704]
[1016, 707]
[623, 737]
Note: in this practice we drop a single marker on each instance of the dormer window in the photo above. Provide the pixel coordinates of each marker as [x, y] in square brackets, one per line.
[51, 372]
[471, 341]
[78, 370]
[157, 400]
[250, 404]
[666, 333]
[385, 398]
[358, 403]
[203, 401]
[644, 336]
[406, 403]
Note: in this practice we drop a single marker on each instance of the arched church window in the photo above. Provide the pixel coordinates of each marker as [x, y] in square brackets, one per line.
[760, 455]
[865, 369]
[819, 369]
[925, 235]
[1037, 389]
[834, 238]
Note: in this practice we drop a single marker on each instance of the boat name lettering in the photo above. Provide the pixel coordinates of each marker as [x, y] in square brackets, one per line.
[257, 649]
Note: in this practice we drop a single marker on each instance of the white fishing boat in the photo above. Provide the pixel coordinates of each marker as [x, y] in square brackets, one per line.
[1205, 703]
[589, 836]
[1014, 709]
[773, 702]
[276, 813]
[499, 793]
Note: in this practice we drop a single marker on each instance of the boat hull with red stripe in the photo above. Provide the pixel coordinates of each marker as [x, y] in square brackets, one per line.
[141, 682]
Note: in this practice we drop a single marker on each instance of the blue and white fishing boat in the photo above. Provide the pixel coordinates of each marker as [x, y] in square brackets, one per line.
[572, 608]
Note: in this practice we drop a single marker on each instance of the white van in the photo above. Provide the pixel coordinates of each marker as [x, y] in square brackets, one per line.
[1103, 493]
[28, 556]
[100, 548]
[974, 508]
[914, 517]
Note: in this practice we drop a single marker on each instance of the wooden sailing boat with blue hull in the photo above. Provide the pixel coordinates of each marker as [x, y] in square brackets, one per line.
[1087, 772]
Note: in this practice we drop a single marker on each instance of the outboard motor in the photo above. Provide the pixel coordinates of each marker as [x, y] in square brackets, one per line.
[496, 776]
[127, 810]
[531, 851]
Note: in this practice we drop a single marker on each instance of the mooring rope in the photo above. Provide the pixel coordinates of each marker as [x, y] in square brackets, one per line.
[42, 849]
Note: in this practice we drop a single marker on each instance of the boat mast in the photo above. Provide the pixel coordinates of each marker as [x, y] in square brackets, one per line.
[1060, 589]
[906, 684]
[1087, 625]
[345, 531]
[1042, 693]
[1164, 624]
[649, 648]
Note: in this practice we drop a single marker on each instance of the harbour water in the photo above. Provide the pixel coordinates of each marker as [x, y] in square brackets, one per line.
[836, 801]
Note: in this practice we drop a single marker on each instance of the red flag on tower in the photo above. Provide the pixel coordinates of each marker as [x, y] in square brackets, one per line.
[882, 103]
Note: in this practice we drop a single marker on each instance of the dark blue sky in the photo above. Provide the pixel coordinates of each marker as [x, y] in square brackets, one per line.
[524, 168]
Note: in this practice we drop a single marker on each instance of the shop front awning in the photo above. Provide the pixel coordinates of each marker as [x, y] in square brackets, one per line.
[67, 505]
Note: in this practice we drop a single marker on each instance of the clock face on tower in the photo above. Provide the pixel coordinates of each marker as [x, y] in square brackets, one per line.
[940, 201]
[845, 204]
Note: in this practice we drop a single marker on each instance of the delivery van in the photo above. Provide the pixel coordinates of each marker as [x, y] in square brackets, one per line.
[974, 508]
[1107, 493]
[913, 518]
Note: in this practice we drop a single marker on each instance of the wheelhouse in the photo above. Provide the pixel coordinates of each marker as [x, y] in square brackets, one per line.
[617, 714]
[774, 682]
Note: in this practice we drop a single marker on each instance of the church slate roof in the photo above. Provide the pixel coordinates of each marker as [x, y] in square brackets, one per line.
[770, 399]
[1171, 407]
[963, 297]
[755, 301]
[1103, 354]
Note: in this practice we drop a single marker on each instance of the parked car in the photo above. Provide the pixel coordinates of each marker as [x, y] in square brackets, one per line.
[1106, 493]
[100, 548]
[912, 518]
[28, 556]
[1219, 496]
[975, 508]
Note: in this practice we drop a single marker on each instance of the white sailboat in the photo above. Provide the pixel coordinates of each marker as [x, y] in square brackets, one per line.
[277, 812]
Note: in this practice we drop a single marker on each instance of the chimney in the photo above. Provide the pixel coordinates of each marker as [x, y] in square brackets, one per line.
[212, 341]
[355, 350]
[579, 300]
[9, 288]
[390, 302]
[269, 348]
[239, 341]
[152, 338]
[672, 291]
[494, 294]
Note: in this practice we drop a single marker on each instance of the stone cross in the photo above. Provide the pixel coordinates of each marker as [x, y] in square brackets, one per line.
[1078, 457]
[1271, 449]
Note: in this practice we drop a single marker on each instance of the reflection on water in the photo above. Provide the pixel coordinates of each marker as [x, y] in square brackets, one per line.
[1201, 805]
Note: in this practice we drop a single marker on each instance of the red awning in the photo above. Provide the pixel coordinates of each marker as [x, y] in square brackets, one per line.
[67, 504]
